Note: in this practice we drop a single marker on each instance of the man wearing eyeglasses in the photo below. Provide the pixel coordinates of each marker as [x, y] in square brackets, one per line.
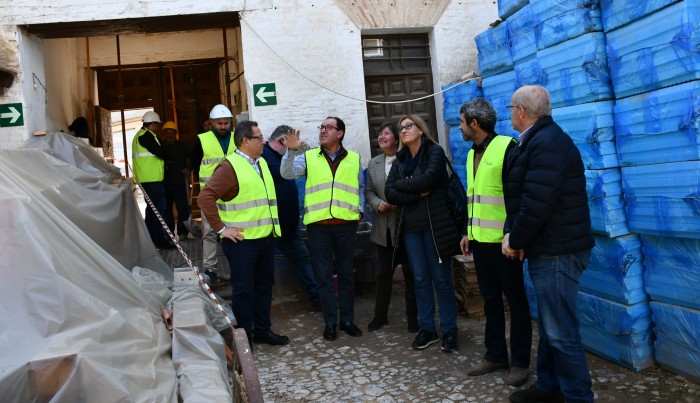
[247, 221]
[333, 206]
[548, 221]
[291, 243]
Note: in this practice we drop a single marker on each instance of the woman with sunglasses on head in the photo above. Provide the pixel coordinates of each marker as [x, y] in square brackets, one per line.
[417, 183]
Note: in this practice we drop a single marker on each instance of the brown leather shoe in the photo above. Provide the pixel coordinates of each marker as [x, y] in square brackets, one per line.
[486, 366]
[517, 376]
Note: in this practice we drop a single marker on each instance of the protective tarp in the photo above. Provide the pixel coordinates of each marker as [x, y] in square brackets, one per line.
[506, 8]
[677, 339]
[521, 32]
[672, 271]
[74, 325]
[89, 192]
[616, 270]
[576, 71]
[656, 51]
[663, 199]
[621, 333]
[659, 126]
[499, 90]
[456, 96]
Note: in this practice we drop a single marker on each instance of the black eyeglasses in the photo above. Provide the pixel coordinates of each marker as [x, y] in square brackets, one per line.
[256, 137]
[327, 127]
[510, 107]
[407, 126]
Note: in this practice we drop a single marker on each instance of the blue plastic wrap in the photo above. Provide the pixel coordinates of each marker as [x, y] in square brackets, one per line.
[672, 273]
[493, 48]
[498, 90]
[616, 270]
[455, 97]
[677, 342]
[606, 202]
[521, 29]
[529, 72]
[576, 71]
[617, 13]
[506, 8]
[561, 20]
[620, 333]
[659, 126]
[591, 127]
[505, 127]
[530, 291]
[656, 51]
[663, 199]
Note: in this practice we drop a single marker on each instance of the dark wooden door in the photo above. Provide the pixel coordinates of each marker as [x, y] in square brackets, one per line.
[397, 68]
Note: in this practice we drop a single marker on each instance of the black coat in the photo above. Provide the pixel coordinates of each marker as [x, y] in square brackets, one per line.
[431, 176]
[286, 190]
[545, 193]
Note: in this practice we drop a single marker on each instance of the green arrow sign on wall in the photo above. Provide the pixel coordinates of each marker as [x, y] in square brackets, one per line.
[11, 115]
[265, 94]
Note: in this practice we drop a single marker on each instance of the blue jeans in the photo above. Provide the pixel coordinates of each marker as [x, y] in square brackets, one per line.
[428, 272]
[561, 362]
[332, 247]
[252, 264]
[155, 192]
[296, 252]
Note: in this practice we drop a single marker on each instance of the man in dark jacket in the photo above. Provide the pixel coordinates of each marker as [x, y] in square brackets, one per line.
[548, 221]
[290, 244]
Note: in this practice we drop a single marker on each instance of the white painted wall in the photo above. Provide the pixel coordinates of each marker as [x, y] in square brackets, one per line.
[33, 81]
[314, 55]
[11, 137]
[66, 82]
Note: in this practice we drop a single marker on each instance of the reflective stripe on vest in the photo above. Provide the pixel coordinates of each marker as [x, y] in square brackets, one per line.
[331, 196]
[213, 154]
[487, 211]
[254, 209]
[147, 167]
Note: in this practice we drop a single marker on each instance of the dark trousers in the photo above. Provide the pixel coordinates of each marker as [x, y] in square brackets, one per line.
[329, 244]
[252, 264]
[177, 193]
[385, 277]
[294, 249]
[498, 276]
[155, 192]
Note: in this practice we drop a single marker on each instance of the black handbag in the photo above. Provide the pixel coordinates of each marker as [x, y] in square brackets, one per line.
[456, 198]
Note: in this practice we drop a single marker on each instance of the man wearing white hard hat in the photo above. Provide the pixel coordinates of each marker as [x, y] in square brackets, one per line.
[209, 149]
[148, 168]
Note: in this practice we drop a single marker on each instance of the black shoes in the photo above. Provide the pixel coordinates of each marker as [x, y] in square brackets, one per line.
[425, 338]
[534, 395]
[449, 342]
[376, 323]
[316, 305]
[413, 326]
[329, 333]
[270, 338]
[351, 329]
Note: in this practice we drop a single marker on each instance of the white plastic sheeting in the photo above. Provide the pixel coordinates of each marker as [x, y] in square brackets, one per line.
[75, 324]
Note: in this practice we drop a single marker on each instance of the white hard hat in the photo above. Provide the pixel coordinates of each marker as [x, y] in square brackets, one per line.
[220, 111]
[150, 117]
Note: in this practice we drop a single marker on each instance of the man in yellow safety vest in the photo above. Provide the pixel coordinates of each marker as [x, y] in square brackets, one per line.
[333, 206]
[496, 274]
[246, 219]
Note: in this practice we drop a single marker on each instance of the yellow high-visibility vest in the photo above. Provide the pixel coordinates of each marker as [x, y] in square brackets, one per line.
[213, 154]
[487, 211]
[147, 167]
[255, 207]
[328, 196]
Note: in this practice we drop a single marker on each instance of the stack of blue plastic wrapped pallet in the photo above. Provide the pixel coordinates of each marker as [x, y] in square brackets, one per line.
[560, 44]
[655, 71]
[454, 96]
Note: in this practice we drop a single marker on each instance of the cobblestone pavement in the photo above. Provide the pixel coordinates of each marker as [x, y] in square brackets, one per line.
[380, 366]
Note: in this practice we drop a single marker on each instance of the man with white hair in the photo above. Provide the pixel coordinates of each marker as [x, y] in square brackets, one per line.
[548, 221]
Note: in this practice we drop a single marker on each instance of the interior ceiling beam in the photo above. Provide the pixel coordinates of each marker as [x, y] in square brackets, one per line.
[147, 25]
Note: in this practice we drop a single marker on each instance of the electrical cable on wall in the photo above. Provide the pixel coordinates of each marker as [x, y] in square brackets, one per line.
[338, 93]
